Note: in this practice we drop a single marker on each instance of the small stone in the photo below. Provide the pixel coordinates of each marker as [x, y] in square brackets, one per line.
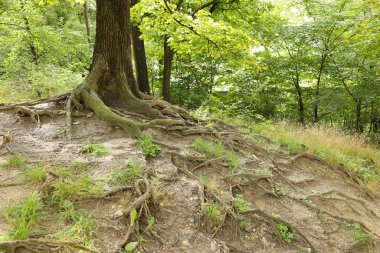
[185, 243]
[119, 213]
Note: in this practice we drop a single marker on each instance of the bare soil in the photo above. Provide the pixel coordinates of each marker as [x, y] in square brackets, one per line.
[318, 202]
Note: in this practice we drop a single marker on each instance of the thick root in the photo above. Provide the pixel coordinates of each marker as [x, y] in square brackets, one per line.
[93, 101]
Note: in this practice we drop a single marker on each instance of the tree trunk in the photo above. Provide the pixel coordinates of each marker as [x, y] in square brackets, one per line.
[140, 58]
[301, 109]
[319, 78]
[87, 20]
[33, 49]
[111, 83]
[113, 46]
[358, 109]
[168, 60]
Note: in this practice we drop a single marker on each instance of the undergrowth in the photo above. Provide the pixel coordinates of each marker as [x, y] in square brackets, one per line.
[150, 149]
[94, 149]
[128, 173]
[285, 233]
[23, 217]
[35, 174]
[14, 161]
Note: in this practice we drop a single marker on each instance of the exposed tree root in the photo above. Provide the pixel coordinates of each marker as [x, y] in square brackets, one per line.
[274, 220]
[42, 246]
[56, 99]
[35, 114]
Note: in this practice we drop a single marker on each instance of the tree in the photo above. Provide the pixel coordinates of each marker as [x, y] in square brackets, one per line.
[111, 81]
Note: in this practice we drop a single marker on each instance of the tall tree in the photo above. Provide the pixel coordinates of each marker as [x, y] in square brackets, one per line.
[111, 81]
[140, 57]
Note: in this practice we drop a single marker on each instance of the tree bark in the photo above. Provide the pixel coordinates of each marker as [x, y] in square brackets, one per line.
[168, 60]
[140, 58]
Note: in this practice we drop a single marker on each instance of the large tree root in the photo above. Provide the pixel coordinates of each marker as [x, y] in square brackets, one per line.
[42, 246]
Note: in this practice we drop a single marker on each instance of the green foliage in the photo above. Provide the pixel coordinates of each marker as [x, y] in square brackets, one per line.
[213, 210]
[14, 161]
[24, 217]
[82, 229]
[80, 165]
[71, 188]
[360, 235]
[285, 233]
[241, 205]
[35, 174]
[127, 173]
[234, 161]
[208, 148]
[94, 149]
[146, 144]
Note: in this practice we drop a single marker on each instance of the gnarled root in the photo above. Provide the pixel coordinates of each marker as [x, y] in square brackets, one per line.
[91, 100]
[42, 246]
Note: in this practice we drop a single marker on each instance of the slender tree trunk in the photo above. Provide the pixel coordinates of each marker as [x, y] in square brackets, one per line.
[319, 78]
[301, 109]
[358, 109]
[168, 60]
[87, 21]
[32, 47]
[140, 58]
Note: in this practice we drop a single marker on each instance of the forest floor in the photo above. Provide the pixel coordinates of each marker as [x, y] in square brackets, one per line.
[243, 196]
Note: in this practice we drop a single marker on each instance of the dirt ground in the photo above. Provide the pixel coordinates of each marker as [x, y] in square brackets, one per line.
[320, 204]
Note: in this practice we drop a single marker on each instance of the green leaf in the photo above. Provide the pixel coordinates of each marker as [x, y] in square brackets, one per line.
[150, 223]
[131, 246]
[133, 216]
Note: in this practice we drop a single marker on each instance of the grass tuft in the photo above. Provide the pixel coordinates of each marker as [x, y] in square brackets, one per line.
[23, 217]
[208, 148]
[14, 161]
[35, 174]
[94, 149]
[129, 172]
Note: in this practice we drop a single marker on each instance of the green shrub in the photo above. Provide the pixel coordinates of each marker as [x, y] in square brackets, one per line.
[213, 210]
[146, 144]
[285, 233]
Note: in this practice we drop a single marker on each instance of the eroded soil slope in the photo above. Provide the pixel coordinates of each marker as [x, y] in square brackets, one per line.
[249, 198]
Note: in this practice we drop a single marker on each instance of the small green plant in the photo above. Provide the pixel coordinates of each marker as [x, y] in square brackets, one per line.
[79, 165]
[71, 189]
[15, 161]
[213, 210]
[146, 144]
[94, 149]
[35, 174]
[279, 191]
[234, 161]
[285, 233]
[82, 229]
[241, 205]
[360, 235]
[208, 148]
[127, 173]
[23, 217]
